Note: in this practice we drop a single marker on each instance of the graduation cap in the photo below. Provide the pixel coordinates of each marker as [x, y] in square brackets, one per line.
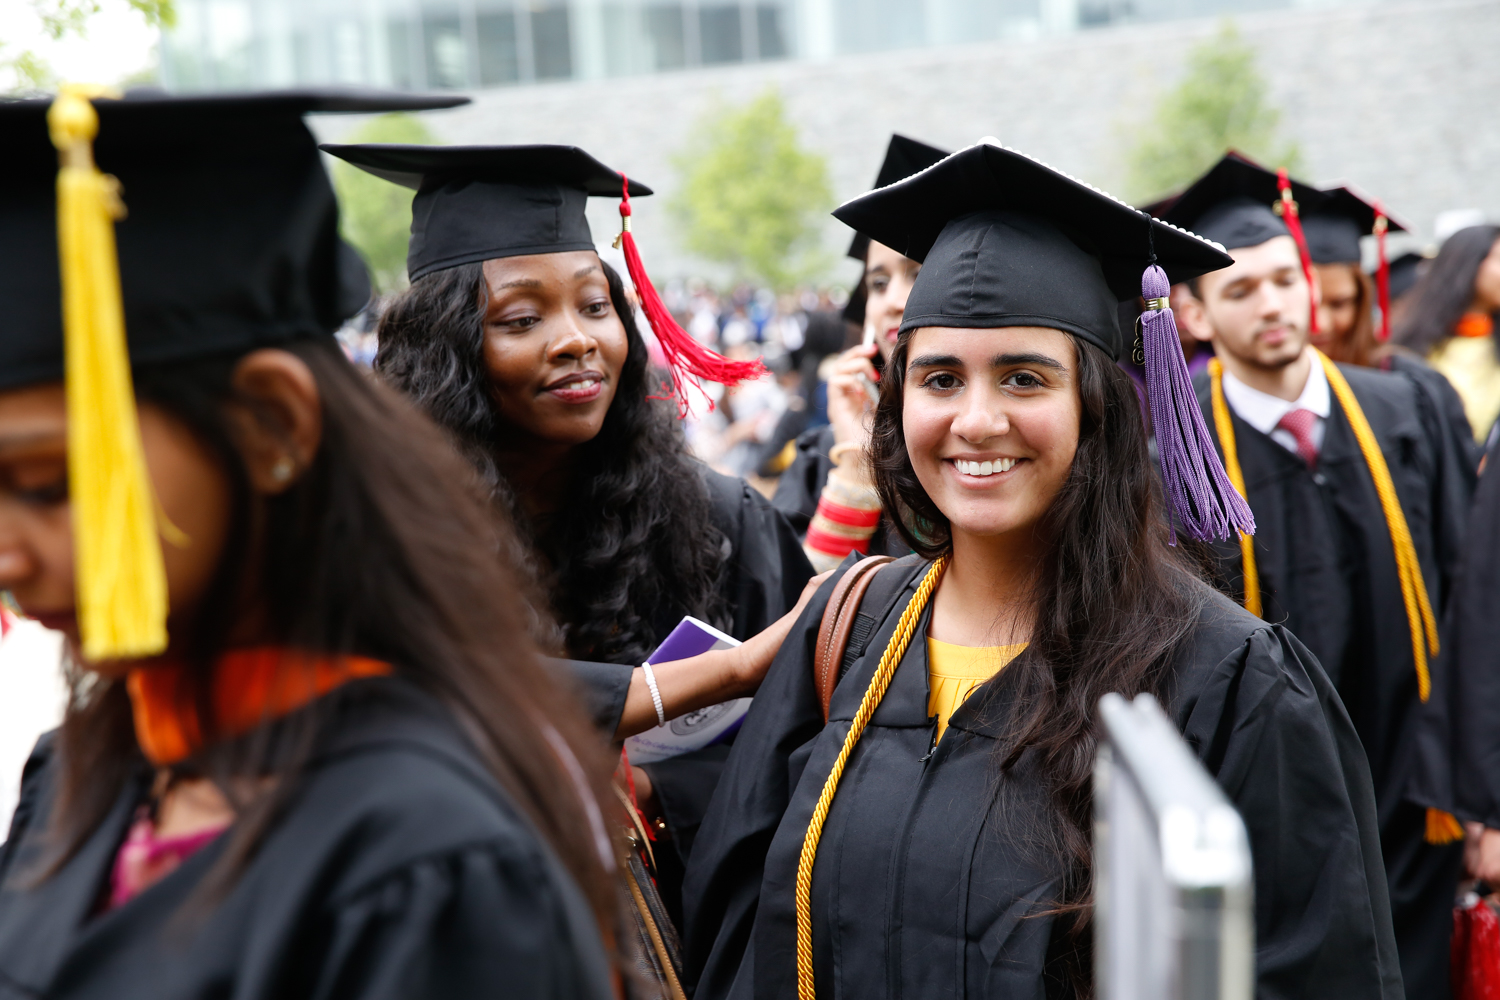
[1006, 240]
[1240, 203]
[903, 157]
[1333, 233]
[214, 231]
[478, 203]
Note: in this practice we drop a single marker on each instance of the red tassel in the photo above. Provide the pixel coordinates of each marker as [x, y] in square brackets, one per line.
[686, 358]
[1294, 225]
[1382, 275]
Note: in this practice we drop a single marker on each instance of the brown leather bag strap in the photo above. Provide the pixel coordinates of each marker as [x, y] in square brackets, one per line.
[838, 621]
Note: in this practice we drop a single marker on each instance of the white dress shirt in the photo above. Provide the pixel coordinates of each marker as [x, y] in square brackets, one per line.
[1264, 411]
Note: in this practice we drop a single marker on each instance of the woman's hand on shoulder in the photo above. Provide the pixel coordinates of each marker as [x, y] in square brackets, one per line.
[849, 402]
[756, 653]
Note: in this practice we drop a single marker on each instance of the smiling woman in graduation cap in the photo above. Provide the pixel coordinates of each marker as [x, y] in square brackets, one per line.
[520, 341]
[296, 763]
[931, 835]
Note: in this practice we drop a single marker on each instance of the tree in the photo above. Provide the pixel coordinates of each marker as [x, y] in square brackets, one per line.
[29, 72]
[751, 198]
[1220, 104]
[375, 215]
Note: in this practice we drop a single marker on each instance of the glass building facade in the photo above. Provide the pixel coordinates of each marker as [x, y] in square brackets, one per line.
[469, 44]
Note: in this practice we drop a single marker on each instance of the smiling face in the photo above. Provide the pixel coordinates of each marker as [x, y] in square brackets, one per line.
[36, 536]
[554, 348]
[991, 421]
[1338, 310]
[888, 280]
[1256, 309]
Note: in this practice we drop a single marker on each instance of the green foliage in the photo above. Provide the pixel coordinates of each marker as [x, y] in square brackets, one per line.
[375, 214]
[29, 72]
[751, 198]
[1220, 104]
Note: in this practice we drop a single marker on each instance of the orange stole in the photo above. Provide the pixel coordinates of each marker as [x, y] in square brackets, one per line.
[251, 687]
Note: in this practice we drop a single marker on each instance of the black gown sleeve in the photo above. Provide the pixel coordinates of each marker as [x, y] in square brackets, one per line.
[722, 887]
[477, 922]
[802, 482]
[1271, 728]
[1459, 743]
[603, 687]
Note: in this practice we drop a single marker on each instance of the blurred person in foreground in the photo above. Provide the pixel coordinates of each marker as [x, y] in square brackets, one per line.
[828, 489]
[519, 340]
[1449, 319]
[1362, 575]
[925, 831]
[297, 763]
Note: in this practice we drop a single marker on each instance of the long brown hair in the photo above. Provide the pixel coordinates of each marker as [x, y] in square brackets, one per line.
[1113, 603]
[1358, 347]
[384, 547]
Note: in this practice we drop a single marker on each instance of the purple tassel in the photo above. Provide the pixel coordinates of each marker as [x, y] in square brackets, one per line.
[1199, 493]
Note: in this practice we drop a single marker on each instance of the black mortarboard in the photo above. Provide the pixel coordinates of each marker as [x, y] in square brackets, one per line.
[1334, 228]
[903, 157]
[1234, 204]
[1405, 270]
[147, 230]
[231, 237]
[477, 203]
[1007, 241]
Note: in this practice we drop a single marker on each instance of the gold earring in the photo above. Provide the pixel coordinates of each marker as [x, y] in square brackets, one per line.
[283, 469]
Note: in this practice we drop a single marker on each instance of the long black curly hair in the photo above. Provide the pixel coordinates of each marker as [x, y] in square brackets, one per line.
[634, 545]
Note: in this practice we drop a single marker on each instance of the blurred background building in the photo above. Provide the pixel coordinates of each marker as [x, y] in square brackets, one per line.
[223, 44]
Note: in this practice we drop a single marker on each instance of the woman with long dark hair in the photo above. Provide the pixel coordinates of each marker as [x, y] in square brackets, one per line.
[828, 469]
[296, 762]
[949, 854]
[520, 341]
[1449, 319]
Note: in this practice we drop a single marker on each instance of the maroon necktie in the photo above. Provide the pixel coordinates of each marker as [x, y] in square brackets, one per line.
[1299, 424]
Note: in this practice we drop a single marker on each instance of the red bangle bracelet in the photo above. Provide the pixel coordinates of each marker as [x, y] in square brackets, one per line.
[852, 516]
[835, 545]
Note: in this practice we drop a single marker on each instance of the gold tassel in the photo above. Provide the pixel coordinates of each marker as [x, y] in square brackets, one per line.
[1443, 828]
[121, 581]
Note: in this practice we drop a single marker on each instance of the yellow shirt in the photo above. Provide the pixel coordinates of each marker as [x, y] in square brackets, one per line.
[954, 671]
[1470, 364]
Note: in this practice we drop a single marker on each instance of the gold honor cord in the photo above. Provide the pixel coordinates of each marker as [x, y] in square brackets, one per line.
[894, 651]
[121, 581]
[1225, 427]
[1442, 827]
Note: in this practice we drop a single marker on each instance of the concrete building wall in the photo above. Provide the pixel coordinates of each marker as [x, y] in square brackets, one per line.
[1402, 98]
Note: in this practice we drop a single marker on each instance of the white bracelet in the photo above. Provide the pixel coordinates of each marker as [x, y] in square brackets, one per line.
[661, 714]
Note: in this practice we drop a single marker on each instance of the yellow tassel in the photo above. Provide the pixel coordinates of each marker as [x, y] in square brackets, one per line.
[1225, 428]
[121, 582]
[1443, 828]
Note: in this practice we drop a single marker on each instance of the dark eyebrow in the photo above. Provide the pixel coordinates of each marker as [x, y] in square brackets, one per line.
[521, 283]
[1010, 360]
[933, 361]
[585, 270]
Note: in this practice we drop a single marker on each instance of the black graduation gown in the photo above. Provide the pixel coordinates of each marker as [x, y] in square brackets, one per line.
[1460, 742]
[1449, 405]
[401, 870]
[925, 885]
[762, 580]
[1328, 572]
[800, 486]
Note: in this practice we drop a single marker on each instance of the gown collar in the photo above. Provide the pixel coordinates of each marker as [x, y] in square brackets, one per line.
[250, 687]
